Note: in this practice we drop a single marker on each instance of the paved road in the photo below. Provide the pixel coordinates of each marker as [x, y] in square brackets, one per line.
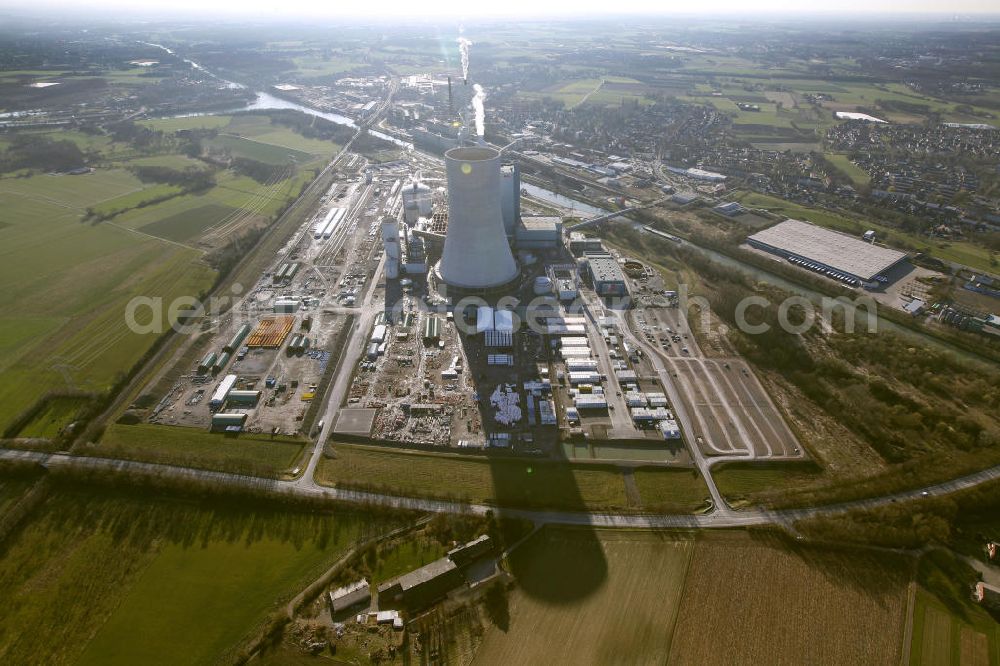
[308, 489]
[356, 344]
[680, 411]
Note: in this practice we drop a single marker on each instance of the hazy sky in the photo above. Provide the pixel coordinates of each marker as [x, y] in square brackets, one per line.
[386, 9]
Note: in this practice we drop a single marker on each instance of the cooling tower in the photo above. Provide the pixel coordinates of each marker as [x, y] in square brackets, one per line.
[476, 252]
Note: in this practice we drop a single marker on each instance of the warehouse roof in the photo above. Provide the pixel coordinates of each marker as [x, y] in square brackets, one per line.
[605, 268]
[831, 248]
[426, 573]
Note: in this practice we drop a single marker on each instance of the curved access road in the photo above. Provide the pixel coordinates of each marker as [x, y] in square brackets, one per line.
[716, 519]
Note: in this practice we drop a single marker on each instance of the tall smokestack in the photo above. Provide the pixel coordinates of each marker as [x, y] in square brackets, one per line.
[476, 252]
[451, 105]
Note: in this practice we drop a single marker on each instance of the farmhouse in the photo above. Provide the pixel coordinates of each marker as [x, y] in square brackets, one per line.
[422, 586]
[349, 595]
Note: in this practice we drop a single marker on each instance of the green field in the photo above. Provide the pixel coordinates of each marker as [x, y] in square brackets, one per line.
[135, 199]
[100, 578]
[603, 91]
[318, 66]
[857, 175]
[69, 281]
[267, 153]
[249, 452]
[57, 412]
[941, 638]
[507, 482]
[236, 202]
[671, 490]
[67, 285]
[497, 481]
[186, 224]
[187, 123]
[740, 482]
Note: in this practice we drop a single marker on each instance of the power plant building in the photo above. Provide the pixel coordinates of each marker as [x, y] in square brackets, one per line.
[580, 244]
[607, 275]
[538, 233]
[477, 255]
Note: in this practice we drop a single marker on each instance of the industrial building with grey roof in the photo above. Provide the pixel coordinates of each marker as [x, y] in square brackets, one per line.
[830, 250]
[607, 275]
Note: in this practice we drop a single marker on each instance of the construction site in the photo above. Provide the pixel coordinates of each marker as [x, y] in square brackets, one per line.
[432, 305]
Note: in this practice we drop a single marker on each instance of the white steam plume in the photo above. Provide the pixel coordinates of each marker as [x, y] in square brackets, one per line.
[463, 47]
[477, 105]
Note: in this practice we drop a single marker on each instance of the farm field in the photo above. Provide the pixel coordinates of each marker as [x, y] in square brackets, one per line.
[69, 284]
[312, 66]
[187, 123]
[495, 481]
[99, 577]
[69, 280]
[267, 153]
[941, 638]
[605, 91]
[968, 254]
[830, 608]
[592, 598]
[251, 453]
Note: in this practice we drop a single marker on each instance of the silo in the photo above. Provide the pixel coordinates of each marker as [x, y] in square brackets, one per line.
[543, 285]
[390, 241]
[476, 252]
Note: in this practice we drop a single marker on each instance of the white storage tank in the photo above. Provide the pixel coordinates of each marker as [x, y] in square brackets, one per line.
[543, 285]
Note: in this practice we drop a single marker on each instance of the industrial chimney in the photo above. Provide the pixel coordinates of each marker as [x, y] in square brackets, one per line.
[476, 252]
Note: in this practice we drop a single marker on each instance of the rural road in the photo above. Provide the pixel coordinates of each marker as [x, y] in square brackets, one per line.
[716, 519]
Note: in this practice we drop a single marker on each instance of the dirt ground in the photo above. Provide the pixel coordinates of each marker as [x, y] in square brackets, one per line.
[591, 598]
[758, 601]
